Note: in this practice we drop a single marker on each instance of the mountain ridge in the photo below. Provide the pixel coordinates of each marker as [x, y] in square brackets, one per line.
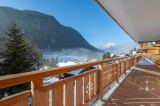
[42, 30]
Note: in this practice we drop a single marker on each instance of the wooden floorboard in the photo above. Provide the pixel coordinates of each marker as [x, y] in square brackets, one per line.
[140, 88]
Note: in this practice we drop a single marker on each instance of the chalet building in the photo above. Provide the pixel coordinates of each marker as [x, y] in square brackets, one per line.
[149, 47]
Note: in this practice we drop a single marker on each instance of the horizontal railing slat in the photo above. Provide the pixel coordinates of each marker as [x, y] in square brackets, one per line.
[15, 98]
[108, 85]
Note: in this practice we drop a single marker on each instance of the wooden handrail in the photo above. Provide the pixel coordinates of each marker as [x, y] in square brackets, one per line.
[15, 79]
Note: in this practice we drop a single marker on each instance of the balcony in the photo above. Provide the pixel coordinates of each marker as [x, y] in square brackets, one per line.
[120, 81]
[82, 89]
[140, 88]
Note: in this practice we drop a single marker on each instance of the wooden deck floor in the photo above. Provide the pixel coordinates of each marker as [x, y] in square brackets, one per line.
[140, 88]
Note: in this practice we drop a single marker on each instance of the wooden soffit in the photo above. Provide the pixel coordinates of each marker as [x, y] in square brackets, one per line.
[140, 19]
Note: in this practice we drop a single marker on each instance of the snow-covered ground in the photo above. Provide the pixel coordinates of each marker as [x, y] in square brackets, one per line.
[49, 80]
[44, 67]
[62, 64]
[68, 63]
[65, 57]
[71, 55]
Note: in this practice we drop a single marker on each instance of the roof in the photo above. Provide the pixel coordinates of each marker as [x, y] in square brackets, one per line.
[140, 19]
[75, 72]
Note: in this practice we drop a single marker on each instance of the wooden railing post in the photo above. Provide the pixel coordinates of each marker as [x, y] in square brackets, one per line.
[101, 82]
[125, 66]
[130, 63]
[114, 72]
[117, 61]
[137, 59]
[36, 93]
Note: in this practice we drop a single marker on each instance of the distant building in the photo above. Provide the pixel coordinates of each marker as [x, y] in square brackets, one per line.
[122, 55]
[126, 55]
[133, 52]
[91, 58]
[113, 56]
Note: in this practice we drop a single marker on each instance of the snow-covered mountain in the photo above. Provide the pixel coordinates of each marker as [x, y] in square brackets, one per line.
[107, 46]
[118, 49]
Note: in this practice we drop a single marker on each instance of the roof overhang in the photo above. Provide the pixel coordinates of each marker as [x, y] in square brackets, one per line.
[140, 19]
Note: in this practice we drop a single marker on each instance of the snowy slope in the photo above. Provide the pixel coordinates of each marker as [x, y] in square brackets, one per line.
[62, 64]
[107, 46]
[118, 49]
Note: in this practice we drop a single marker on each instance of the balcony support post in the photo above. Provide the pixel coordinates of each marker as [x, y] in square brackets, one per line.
[101, 82]
[125, 66]
[114, 72]
[117, 61]
[36, 93]
[136, 59]
[133, 61]
[130, 63]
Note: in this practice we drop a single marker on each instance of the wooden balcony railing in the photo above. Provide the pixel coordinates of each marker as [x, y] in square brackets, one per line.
[78, 90]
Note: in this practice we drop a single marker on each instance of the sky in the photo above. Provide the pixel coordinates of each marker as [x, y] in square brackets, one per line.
[85, 16]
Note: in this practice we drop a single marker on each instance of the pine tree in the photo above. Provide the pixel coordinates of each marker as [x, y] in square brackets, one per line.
[107, 55]
[17, 56]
